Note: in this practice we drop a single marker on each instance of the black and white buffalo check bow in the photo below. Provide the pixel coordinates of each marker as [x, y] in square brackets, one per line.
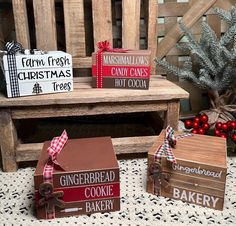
[12, 48]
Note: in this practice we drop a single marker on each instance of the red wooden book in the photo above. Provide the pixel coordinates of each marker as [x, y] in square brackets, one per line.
[129, 70]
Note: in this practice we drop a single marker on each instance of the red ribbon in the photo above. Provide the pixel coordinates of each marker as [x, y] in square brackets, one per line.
[104, 46]
[55, 148]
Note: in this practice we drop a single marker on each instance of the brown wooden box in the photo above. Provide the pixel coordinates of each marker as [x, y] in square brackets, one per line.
[90, 182]
[200, 173]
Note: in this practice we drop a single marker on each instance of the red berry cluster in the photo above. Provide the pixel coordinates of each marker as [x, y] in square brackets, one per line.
[199, 124]
[226, 130]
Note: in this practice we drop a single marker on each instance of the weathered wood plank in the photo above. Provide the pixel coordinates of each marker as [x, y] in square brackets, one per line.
[162, 30]
[169, 23]
[189, 18]
[87, 109]
[160, 89]
[102, 21]
[45, 24]
[82, 62]
[152, 14]
[130, 24]
[172, 9]
[21, 22]
[172, 115]
[169, 194]
[216, 158]
[207, 188]
[31, 152]
[8, 141]
[200, 181]
[215, 23]
[74, 27]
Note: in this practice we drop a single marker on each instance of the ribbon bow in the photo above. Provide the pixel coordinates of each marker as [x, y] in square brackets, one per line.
[160, 179]
[13, 47]
[56, 146]
[165, 148]
[170, 142]
[104, 46]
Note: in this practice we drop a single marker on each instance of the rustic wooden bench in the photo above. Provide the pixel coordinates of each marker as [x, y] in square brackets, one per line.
[163, 95]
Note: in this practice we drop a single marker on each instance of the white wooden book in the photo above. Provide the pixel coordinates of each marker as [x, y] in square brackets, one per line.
[35, 74]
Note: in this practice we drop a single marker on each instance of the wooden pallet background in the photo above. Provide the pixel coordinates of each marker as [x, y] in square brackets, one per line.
[76, 26]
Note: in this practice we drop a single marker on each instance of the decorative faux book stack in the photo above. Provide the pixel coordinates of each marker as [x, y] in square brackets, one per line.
[75, 177]
[120, 68]
[194, 171]
[32, 72]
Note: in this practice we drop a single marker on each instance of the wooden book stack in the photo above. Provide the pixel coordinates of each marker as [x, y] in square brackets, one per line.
[199, 176]
[33, 74]
[129, 70]
[89, 182]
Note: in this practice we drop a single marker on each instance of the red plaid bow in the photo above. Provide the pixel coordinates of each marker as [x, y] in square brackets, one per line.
[170, 141]
[55, 148]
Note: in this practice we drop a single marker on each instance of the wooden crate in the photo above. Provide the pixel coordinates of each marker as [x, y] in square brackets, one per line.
[77, 35]
[198, 177]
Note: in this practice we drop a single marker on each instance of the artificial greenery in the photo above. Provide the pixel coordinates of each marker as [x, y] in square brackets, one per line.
[212, 65]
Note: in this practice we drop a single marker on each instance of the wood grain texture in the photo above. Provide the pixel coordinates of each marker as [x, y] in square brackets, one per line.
[102, 21]
[74, 27]
[21, 22]
[172, 9]
[198, 149]
[187, 162]
[195, 180]
[169, 23]
[82, 62]
[8, 141]
[169, 194]
[172, 114]
[196, 156]
[189, 18]
[152, 15]
[87, 109]
[31, 152]
[160, 89]
[45, 24]
[130, 24]
[207, 188]
[215, 23]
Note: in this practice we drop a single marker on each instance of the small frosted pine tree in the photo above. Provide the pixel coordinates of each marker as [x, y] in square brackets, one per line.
[212, 65]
